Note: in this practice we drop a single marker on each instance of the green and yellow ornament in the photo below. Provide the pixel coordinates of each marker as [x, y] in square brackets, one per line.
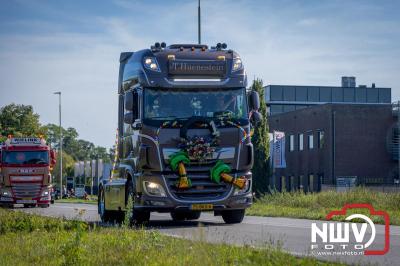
[221, 171]
[177, 163]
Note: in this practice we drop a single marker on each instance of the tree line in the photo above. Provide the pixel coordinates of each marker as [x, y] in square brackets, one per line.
[20, 120]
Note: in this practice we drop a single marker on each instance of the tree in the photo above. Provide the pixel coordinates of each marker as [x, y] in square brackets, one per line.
[68, 168]
[19, 121]
[260, 139]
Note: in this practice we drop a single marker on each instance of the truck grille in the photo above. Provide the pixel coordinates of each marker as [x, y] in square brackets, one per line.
[26, 190]
[203, 188]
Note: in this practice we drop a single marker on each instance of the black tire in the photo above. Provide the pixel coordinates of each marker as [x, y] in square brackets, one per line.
[52, 201]
[233, 216]
[44, 205]
[187, 215]
[194, 215]
[138, 217]
[178, 216]
[105, 215]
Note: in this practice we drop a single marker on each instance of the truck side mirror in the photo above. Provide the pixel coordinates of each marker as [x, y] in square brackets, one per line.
[52, 158]
[131, 105]
[256, 118]
[129, 118]
[254, 100]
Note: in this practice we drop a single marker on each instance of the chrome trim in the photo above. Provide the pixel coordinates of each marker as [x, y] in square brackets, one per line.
[221, 153]
[204, 82]
[196, 80]
[238, 156]
[195, 201]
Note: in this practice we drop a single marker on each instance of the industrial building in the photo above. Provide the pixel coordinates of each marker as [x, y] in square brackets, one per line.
[285, 98]
[335, 143]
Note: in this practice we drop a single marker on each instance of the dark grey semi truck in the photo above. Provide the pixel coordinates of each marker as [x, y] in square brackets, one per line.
[184, 135]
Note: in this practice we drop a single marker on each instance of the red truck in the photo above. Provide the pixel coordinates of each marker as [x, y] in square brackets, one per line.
[25, 178]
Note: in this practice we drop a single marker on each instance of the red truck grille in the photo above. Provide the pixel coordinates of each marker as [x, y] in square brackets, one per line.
[26, 190]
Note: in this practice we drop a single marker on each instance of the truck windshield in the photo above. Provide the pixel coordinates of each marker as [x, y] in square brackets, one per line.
[25, 157]
[172, 104]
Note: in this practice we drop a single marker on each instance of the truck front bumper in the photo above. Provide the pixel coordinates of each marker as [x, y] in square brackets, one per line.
[170, 202]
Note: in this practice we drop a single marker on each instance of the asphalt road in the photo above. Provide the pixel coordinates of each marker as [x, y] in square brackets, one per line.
[293, 235]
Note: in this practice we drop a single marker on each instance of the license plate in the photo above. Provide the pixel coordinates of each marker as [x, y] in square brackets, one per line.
[201, 207]
[26, 201]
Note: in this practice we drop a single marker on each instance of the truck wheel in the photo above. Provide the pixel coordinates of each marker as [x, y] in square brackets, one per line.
[178, 216]
[105, 216]
[233, 216]
[188, 215]
[193, 215]
[138, 217]
[44, 205]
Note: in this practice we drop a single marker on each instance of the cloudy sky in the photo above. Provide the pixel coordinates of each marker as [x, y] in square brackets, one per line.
[73, 46]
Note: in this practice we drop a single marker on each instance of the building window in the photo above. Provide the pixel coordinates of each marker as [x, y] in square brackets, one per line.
[384, 95]
[289, 94]
[313, 94]
[361, 95]
[276, 93]
[301, 142]
[311, 183]
[372, 95]
[348, 94]
[300, 182]
[321, 139]
[283, 184]
[325, 94]
[291, 183]
[310, 141]
[337, 95]
[291, 143]
[276, 109]
[288, 108]
[301, 94]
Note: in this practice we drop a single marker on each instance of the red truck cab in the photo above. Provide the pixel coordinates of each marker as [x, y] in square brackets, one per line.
[25, 176]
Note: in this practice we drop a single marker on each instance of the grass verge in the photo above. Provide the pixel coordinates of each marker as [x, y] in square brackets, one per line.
[318, 205]
[33, 240]
[77, 200]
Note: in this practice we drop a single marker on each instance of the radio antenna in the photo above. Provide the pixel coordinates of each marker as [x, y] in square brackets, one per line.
[199, 22]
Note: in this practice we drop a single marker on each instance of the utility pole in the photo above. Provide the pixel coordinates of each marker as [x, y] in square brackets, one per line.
[199, 22]
[61, 143]
[398, 138]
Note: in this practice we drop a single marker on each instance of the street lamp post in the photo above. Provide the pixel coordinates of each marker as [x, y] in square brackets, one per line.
[61, 142]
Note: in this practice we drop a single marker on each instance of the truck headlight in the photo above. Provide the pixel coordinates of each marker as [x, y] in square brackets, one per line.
[45, 193]
[151, 64]
[244, 190]
[154, 189]
[5, 192]
[237, 64]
